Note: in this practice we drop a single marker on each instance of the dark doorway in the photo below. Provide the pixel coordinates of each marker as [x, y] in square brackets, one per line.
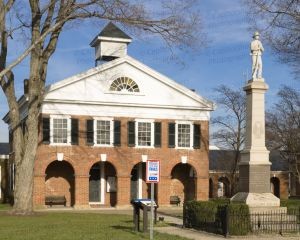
[94, 183]
[275, 186]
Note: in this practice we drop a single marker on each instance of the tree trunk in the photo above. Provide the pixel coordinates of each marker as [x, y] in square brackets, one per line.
[24, 183]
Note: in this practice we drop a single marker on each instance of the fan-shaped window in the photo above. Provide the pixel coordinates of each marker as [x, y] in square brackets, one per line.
[124, 84]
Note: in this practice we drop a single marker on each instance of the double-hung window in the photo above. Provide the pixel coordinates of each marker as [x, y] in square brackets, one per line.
[145, 133]
[103, 134]
[184, 134]
[60, 130]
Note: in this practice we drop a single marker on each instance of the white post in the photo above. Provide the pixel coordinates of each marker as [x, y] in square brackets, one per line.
[152, 211]
[140, 180]
[102, 183]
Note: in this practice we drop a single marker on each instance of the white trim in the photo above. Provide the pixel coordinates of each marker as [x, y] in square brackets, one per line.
[113, 39]
[125, 104]
[102, 183]
[140, 180]
[191, 134]
[111, 131]
[68, 117]
[208, 105]
[151, 121]
[125, 93]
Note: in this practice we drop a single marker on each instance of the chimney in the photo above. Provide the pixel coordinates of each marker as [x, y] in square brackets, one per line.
[111, 43]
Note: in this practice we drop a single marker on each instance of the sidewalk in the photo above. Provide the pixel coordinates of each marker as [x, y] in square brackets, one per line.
[177, 229]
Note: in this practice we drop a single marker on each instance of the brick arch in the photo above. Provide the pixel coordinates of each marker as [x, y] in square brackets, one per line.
[224, 180]
[275, 186]
[54, 158]
[134, 175]
[89, 165]
[60, 181]
[183, 181]
[96, 192]
[188, 164]
[131, 165]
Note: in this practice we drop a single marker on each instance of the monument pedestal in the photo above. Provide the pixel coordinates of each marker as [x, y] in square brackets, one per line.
[254, 167]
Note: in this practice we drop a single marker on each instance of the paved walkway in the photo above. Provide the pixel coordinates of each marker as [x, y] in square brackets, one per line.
[177, 229]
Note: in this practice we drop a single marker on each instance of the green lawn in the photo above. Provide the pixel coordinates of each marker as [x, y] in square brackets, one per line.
[5, 206]
[72, 226]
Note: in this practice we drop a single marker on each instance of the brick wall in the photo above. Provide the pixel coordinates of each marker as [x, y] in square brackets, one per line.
[82, 157]
[283, 180]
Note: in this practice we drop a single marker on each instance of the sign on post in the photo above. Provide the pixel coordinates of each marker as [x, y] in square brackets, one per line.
[152, 171]
[152, 176]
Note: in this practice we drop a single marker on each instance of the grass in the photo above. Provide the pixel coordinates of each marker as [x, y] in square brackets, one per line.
[292, 205]
[5, 207]
[72, 226]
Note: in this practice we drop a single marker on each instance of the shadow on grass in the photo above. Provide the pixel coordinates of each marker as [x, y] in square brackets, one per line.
[128, 230]
[124, 228]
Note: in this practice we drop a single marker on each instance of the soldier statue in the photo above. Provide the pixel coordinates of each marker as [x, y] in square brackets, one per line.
[256, 52]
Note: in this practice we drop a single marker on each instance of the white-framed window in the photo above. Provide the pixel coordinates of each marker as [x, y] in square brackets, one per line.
[103, 132]
[184, 134]
[144, 136]
[60, 130]
[124, 84]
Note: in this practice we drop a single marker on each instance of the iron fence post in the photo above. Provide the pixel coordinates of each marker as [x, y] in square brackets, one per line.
[226, 228]
[280, 223]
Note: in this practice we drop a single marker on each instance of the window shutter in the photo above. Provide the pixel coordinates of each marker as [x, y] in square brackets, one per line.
[117, 133]
[131, 134]
[171, 131]
[46, 130]
[197, 136]
[157, 134]
[90, 132]
[74, 131]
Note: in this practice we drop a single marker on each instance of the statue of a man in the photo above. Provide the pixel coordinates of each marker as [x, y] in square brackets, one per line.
[256, 52]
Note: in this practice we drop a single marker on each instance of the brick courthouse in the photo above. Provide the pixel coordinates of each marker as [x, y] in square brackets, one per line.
[99, 127]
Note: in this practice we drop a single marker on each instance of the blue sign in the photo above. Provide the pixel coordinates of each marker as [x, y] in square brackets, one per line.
[152, 171]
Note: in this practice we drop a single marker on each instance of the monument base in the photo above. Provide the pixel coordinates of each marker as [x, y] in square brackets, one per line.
[256, 200]
[254, 178]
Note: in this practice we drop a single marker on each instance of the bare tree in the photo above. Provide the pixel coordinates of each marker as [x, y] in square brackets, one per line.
[230, 132]
[279, 21]
[283, 128]
[43, 22]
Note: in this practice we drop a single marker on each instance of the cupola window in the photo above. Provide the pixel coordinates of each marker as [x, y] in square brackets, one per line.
[124, 84]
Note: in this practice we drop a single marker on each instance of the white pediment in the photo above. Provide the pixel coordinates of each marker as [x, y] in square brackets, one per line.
[156, 91]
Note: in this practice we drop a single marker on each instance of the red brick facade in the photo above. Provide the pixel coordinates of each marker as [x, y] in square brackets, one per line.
[279, 181]
[70, 177]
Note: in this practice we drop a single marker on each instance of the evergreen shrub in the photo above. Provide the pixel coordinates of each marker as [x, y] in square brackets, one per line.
[210, 216]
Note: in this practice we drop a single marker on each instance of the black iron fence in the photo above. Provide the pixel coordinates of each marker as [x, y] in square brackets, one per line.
[226, 220]
[276, 221]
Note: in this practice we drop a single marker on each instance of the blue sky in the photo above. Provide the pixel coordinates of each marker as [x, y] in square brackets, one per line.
[225, 59]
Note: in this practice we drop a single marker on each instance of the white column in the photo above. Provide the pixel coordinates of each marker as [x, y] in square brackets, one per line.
[140, 180]
[102, 182]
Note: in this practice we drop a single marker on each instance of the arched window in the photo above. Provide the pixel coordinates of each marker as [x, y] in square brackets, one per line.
[124, 84]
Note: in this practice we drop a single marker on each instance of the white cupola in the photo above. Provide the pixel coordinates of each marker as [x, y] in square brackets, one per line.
[110, 43]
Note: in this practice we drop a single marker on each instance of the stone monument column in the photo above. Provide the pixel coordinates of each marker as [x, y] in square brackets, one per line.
[254, 167]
